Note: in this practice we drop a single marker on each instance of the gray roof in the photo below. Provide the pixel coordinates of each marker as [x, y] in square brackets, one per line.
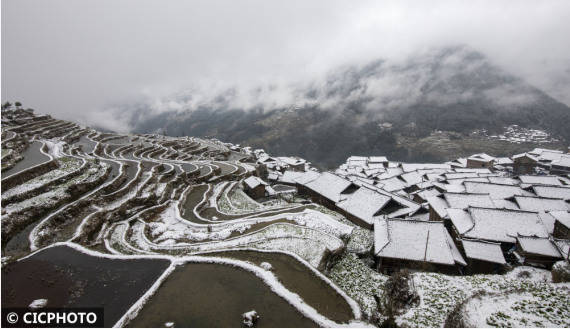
[539, 246]
[503, 225]
[415, 240]
[364, 204]
[329, 185]
[482, 250]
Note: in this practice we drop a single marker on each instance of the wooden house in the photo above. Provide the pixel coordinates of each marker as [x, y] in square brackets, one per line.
[541, 252]
[415, 244]
[524, 164]
[480, 160]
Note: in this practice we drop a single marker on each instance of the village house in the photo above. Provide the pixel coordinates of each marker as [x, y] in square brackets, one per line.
[294, 163]
[495, 225]
[362, 206]
[560, 166]
[552, 192]
[327, 188]
[480, 160]
[414, 244]
[255, 187]
[541, 252]
[482, 256]
[524, 164]
[561, 228]
[458, 163]
[540, 204]
[375, 162]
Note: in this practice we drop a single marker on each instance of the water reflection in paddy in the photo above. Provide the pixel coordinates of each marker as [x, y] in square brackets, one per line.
[215, 295]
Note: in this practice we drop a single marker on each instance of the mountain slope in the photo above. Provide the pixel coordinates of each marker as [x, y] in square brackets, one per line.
[379, 108]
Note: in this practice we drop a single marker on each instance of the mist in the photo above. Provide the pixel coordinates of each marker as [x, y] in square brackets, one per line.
[80, 60]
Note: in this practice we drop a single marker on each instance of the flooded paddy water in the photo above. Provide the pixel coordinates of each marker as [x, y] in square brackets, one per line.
[216, 295]
[33, 156]
[86, 144]
[299, 279]
[69, 278]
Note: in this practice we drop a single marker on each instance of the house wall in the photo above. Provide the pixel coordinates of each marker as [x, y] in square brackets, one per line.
[256, 193]
[390, 265]
[561, 231]
[534, 259]
[433, 215]
[559, 170]
[523, 166]
[479, 164]
[476, 266]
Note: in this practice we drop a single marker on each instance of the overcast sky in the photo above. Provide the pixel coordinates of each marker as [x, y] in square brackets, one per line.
[73, 58]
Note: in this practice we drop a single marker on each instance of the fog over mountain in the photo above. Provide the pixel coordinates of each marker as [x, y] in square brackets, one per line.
[79, 60]
[454, 89]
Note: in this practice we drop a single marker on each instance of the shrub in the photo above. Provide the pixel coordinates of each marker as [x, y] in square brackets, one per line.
[398, 293]
[561, 272]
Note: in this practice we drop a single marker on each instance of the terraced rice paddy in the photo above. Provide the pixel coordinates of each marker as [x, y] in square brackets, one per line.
[130, 211]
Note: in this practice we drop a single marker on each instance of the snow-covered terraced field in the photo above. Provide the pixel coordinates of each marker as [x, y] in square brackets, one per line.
[190, 209]
[131, 196]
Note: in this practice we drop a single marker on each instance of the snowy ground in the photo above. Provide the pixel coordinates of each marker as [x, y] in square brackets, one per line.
[523, 297]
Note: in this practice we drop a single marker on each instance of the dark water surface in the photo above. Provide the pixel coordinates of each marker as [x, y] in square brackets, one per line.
[215, 295]
[296, 277]
[69, 278]
[32, 157]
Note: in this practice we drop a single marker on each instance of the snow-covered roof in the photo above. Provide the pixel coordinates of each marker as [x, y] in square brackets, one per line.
[364, 204]
[424, 194]
[538, 246]
[329, 185]
[525, 155]
[438, 205]
[253, 182]
[548, 221]
[306, 177]
[274, 175]
[563, 217]
[504, 225]
[540, 204]
[407, 167]
[464, 200]
[505, 204]
[552, 192]
[461, 162]
[292, 161]
[475, 170]
[392, 184]
[461, 219]
[504, 180]
[412, 178]
[415, 240]
[482, 250]
[290, 176]
[460, 175]
[503, 161]
[377, 159]
[496, 191]
[456, 188]
[540, 180]
[481, 157]
[564, 161]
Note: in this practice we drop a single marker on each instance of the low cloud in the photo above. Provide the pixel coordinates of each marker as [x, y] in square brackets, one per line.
[81, 60]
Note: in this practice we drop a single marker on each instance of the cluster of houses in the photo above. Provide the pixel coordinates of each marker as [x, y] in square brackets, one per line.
[479, 214]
